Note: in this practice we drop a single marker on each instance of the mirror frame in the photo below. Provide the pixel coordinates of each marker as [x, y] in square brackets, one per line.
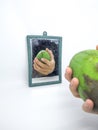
[44, 80]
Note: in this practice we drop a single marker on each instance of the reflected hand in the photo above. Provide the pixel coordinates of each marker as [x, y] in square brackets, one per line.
[88, 105]
[45, 67]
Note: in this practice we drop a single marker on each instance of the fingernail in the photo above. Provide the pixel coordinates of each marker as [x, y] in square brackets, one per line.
[42, 59]
[66, 72]
[72, 82]
[86, 106]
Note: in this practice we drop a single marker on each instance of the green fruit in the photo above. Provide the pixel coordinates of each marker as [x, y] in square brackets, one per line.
[85, 67]
[43, 54]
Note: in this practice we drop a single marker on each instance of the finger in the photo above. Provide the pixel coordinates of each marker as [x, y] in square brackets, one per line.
[39, 63]
[74, 87]
[36, 67]
[45, 61]
[68, 74]
[39, 69]
[50, 53]
[96, 47]
[88, 106]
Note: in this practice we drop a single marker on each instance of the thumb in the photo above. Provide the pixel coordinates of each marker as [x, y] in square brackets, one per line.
[50, 53]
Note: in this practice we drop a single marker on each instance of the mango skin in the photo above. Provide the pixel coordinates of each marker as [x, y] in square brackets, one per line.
[85, 67]
[43, 54]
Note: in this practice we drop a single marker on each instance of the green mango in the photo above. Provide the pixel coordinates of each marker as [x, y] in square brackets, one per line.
[84, 65]
[43, 54]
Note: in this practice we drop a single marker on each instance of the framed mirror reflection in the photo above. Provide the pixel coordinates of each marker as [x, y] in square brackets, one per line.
[44, 59]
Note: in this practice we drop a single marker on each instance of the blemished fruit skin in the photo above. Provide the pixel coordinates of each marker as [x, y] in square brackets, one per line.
[43, 54]
[84, 66]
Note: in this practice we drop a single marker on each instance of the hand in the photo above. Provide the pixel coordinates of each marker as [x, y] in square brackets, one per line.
[88, 105]
[45, 67]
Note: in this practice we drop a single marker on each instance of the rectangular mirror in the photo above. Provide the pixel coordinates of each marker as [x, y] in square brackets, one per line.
[44, 59]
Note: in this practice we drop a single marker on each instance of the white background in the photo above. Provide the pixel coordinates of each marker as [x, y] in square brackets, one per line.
[47, 107]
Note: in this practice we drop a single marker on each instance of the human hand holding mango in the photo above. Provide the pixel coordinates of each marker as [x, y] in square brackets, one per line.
[44, 63]
[90, 100]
